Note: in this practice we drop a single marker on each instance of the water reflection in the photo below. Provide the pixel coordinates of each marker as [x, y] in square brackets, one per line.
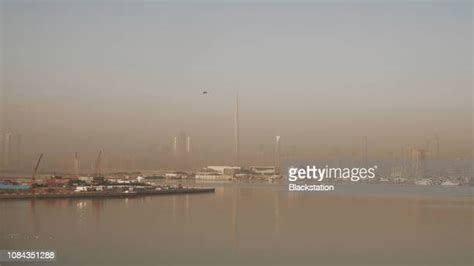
[34, 217]
[276, 201]
[186, 197]
[175, 199]
[97, 206]
[236, 225]
[235, 222]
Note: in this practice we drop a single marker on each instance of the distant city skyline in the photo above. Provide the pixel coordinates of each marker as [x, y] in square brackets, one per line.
[124, 77]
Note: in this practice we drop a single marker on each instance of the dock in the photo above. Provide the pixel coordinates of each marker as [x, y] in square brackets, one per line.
[101, 194]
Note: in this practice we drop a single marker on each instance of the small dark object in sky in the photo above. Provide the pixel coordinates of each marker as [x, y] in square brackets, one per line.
[204, 92]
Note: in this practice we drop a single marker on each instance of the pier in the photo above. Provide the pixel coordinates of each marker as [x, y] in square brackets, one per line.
[103, 194]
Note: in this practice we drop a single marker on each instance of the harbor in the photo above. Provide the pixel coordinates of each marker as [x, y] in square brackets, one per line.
[94, 186]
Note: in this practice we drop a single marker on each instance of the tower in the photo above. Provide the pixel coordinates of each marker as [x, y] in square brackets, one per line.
[236, 131]
[175, 146]
[181, 150]
[98, 165]
[277, 153]
[188, 144]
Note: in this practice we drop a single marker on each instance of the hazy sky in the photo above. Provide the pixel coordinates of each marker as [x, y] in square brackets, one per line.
[125, 76]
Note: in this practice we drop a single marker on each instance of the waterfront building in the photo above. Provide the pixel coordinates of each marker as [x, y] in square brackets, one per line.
[264, 170]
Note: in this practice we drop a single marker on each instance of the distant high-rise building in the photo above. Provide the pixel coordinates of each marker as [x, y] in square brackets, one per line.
[427, 145]
[277, 153]
[180, 144]
[181, 149]
[418, 162]
[175, 146]
[236, 131]
[98, 165]
[11, 151]
[188, 144]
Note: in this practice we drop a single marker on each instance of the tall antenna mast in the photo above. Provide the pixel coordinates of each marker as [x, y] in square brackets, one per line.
[236, 131]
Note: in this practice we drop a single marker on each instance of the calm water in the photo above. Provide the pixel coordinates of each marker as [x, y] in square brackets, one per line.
[251, 224]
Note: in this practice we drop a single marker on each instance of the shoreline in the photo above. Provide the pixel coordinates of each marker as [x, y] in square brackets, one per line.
[78, 195]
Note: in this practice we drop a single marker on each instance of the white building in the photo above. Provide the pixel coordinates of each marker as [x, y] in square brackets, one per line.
[87, 179]
[176, 175]
[210, 176]
[222, 169]
[80, 189]
[264, 170]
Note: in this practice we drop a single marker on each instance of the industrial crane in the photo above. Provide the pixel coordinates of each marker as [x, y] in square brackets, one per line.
[36, 169]
[98, 168]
